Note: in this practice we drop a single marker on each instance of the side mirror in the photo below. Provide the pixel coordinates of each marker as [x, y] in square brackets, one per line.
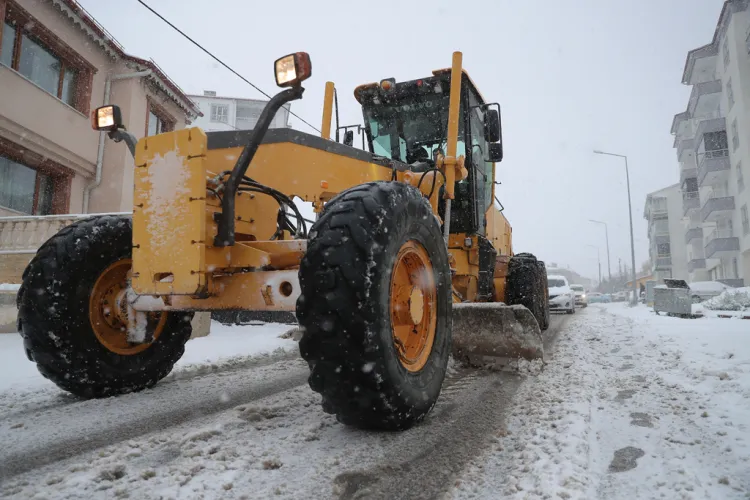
[349, 138]
[495, 152]
[293, 69]
[106, 118]
[492, 125]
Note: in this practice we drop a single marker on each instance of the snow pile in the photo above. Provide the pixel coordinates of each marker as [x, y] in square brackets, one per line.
[734, 299]
[9, 287]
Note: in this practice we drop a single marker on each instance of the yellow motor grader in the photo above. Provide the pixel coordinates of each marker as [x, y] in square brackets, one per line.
[408, 260]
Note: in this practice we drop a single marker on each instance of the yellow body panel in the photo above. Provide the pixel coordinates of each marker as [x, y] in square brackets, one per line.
[169, 206]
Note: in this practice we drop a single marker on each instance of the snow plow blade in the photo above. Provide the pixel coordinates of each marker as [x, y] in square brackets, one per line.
[494, 335]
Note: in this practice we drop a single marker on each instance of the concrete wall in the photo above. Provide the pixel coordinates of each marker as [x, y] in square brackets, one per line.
[676, 233]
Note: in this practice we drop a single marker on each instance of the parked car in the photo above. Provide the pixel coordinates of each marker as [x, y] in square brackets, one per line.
[621, 296]
[580, 294]
[704, 290]
[561, 297]
[598, 298]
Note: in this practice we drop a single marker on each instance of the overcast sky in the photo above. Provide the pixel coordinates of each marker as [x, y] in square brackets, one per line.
[571, 76]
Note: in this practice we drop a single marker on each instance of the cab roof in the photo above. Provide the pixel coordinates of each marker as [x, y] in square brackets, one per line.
[437, 72]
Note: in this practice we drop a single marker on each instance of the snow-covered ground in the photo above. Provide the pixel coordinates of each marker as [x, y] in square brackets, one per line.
[634, 406]
[225, 346]
[631, 405]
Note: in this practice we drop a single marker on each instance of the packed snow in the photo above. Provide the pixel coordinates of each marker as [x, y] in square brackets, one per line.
[225, 346]
[634, 405]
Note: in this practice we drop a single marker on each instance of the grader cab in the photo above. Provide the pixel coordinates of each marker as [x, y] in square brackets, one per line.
[408, 260]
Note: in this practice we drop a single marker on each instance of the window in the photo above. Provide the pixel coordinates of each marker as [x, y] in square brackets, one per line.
[740, 178]
[735, 136]
[24, 189]
[730, 94]
[663, 249]
[158, 120]
[725, 51]
[7, 44]
[247, 117]
[220, 113]
[745, 220]
[34, 52]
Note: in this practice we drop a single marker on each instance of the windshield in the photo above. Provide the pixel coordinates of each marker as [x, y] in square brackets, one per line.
[399, 130]
[554, 282]
[577, 288]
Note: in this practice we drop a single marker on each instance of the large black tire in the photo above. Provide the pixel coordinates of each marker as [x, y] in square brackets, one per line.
[53, 314]
[525, 286]
[344, 307]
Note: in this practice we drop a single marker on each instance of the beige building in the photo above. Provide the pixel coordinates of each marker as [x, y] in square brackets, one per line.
[57, 64]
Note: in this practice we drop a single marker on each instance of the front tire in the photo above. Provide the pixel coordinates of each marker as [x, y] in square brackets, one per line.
[69, 322]
[375, 306]
[527, 285]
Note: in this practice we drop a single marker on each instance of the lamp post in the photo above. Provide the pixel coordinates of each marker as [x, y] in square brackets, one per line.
[606, 236]
[599, 260]
[634, 298]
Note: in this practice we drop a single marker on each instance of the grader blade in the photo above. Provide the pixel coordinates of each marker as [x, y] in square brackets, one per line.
[494, 335]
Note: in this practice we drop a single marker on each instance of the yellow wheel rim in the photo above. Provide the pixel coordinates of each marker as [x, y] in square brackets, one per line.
[413, 306]
[108, 311]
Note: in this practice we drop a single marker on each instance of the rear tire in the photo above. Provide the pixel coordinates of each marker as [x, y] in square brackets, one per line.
[526, 286]
[57, 328]
[346, 312]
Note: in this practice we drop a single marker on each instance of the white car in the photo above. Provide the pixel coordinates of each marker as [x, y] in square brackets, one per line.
[704, 290]
[561, 296]
[580, 294]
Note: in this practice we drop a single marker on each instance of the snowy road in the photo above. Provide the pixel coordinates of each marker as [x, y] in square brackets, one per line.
[247, 430]
[631, 405]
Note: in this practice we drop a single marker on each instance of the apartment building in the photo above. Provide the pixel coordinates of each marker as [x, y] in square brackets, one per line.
[712, 140]
[234, 113]
[666, 233]
[56, 65]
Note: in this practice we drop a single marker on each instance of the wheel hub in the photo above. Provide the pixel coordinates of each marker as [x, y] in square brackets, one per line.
[109, 312]
[413, 306]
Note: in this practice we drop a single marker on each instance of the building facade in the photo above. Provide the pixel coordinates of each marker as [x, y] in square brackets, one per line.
[712, 139]
[59, 64]
[666, 234]
[234, 113]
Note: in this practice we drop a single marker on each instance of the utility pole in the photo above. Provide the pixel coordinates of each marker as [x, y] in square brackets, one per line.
[599, 260]
[634, 298]
[606, 236]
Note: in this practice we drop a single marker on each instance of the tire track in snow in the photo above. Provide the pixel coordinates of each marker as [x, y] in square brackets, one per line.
[66, 431]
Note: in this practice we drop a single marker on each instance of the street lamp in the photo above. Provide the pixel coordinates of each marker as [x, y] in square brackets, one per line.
[599, 259]
[606, 235]
[634, 298]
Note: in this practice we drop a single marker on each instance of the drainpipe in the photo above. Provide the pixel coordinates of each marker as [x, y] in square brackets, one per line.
[102, 135]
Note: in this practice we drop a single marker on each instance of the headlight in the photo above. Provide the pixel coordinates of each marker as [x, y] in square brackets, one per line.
[291, 70]
[106, 118]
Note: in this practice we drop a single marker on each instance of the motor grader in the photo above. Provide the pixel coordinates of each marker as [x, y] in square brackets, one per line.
[408, 259]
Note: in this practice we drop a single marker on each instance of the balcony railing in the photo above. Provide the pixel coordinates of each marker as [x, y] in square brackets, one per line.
[694, 233]
[690, 200]
[696, 264]
[712, 162]
[662, 261]
[721, 242]
[716, 205]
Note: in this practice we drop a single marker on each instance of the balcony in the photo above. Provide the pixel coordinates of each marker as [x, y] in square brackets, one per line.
[696, 264]
[717, 207]
[688, 173]
[693, 234]
[713, 167]
[704, 98]
[721, 243]
[662, 263]
[684, 146]
[735, 282]
[690, 201]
